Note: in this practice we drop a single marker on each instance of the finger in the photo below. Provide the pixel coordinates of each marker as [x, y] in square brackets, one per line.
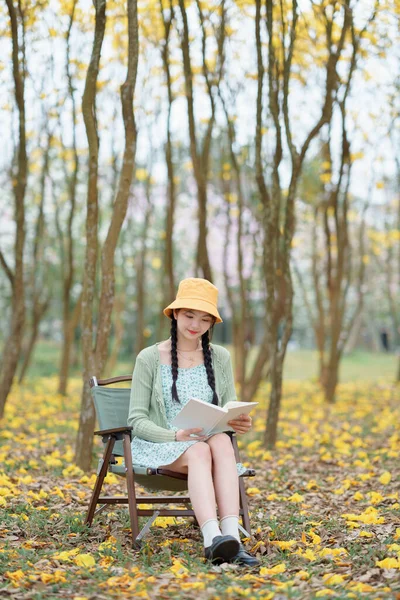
[194, 430]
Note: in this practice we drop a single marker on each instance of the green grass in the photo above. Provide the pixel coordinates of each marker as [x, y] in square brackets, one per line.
[300, 365]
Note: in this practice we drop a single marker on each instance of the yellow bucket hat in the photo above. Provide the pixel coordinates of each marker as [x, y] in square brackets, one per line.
[198, 294]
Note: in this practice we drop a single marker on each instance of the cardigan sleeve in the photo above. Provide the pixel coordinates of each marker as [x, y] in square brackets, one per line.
[139, 407]
[230, 391]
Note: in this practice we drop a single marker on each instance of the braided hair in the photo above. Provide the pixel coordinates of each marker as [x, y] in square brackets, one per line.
[205, 342]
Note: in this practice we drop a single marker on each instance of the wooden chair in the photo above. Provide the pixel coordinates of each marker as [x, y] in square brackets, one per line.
[112, 407]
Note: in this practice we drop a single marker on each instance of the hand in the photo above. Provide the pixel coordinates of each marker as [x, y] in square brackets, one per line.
[185, 435]
[242, 424]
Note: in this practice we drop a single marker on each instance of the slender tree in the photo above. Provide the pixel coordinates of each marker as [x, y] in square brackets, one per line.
[41, 294]
[94, 356]
[19, 176]
[200, 151]
[70, 313]
[279, 208]
[169, 278]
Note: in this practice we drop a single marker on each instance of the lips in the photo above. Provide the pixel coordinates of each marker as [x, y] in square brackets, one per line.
[192, 332]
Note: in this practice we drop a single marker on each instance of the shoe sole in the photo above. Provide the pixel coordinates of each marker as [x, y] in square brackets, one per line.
[224, 551]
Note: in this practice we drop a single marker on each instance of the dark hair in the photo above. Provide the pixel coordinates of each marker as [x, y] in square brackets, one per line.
[205, 342]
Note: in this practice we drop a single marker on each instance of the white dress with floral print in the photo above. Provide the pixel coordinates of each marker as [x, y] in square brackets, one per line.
[191, 383]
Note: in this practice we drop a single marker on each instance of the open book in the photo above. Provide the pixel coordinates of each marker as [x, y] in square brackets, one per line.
[213, 419]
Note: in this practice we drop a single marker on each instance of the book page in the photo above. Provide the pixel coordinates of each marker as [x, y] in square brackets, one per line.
[232, 411]
[197, 413]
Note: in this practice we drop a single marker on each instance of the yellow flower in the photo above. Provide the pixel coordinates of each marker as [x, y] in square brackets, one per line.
[253, 491]
[375, 497]
[84, 560]
[178, 568]
[358, 496]
[333, 579]
[192, 585]
[296, 498]
[303, 575]
[284, 545]
[67, 555]
[385, 478]
[388, 563]
[15, 577]
[358, 586]
[56, 577]
[325, 592]
[332, 552]
[366, 534]
[279, 568]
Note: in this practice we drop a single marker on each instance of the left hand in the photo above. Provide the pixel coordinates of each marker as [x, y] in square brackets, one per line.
[242, 424]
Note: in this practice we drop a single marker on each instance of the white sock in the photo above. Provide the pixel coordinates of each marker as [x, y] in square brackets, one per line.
[210, 529]
[229, 526]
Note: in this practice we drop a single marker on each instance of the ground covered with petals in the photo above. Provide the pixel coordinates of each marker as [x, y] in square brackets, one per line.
[325, 507]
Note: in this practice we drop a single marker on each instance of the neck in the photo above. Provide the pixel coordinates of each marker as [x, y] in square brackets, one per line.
[187, 345]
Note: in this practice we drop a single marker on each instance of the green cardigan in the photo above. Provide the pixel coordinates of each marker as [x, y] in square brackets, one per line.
[147, 415]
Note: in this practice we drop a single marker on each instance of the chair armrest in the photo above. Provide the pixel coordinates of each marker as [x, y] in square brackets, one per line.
[115, 430]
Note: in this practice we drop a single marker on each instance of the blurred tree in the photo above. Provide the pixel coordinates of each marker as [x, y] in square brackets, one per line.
[167, 16]
[70, 312]
[282, 27]
[38, 275]
[13, 342]
[200, 152]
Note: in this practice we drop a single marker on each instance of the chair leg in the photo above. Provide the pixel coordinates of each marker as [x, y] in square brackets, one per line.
[242, 490]
[244, 506]
[130, 484]
[99, 481]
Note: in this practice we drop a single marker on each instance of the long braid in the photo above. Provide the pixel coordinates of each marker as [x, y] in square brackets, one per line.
[205, 342]
[174, 358]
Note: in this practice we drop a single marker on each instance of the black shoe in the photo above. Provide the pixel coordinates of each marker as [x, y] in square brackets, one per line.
[244, 558]
[222, 549]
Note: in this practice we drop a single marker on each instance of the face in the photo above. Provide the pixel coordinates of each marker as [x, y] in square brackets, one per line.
[192, 324]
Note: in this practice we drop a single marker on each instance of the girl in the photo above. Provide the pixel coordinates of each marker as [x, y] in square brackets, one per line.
[165, 377]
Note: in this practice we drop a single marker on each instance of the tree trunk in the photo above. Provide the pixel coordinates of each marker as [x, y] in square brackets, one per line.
[168, 275]
[13, 342]
[70, 323]
[68, 271]
[271, 430]
[94, 358]
[84, 442]
[39, 312]
[118, 333]
[140, 340]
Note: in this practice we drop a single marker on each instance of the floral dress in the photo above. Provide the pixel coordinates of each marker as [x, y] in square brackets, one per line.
[191, 383]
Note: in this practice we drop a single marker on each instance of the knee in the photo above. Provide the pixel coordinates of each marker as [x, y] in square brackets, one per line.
[221, 445]
[199, 452]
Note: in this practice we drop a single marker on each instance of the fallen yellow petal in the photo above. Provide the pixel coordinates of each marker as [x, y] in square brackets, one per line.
[279, 568]
[84, 560]
[385, 478]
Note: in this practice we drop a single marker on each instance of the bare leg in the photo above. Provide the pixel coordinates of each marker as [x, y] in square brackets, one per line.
[226, 482]
[197, 463]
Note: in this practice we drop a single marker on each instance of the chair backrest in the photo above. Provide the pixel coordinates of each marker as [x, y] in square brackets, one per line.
[112, 408]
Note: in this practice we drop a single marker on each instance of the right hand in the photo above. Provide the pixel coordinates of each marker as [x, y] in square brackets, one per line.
[184, 435]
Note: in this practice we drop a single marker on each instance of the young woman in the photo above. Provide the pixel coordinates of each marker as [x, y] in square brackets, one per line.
[165, 377]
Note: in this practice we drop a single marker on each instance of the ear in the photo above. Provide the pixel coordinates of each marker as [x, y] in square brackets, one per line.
[175, 312]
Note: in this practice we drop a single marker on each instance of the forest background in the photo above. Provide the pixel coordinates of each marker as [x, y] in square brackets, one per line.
[252, 144]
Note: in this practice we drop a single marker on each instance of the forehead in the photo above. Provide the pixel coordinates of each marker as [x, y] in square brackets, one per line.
[198, 313]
